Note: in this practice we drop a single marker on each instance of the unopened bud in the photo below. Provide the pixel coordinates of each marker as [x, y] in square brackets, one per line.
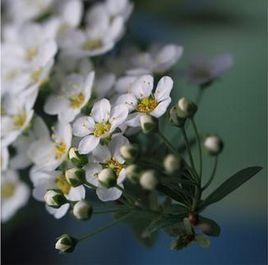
[65, 243]
[213, 144]
[148, 123]
[75, 176]
[172, 163]
[186, 108]
[148, 180]
[174, 118]
[107, 178]
[132, 172]
[82, 210]
[193, 218]
[128, 152]
[54, 198]
[77, 159]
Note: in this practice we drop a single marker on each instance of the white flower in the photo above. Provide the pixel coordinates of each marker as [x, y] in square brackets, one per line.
[203, 71]
[4, 158]
[14, 194]
[158, 60]
[108, 157]
[142, 100]
[17, 113]
[121, 8]
[45, 180]
[73, 96]
[101, 123]
[49, 152]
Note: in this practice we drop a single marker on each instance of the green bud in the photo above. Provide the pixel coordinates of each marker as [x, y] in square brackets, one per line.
[186, 108]
[75, 176]
[174, 118]
[148, 124]
[213, 144]
[65, 243]
[82, 210]
[107, 178]
[129, 152]
[133, 173]
[54, 198]
[77, 159]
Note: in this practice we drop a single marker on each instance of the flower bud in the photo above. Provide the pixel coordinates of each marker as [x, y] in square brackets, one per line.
[76, 158]
[186, 108]
[132, 172]
[54, 198]
[65, 243]
[148, 123]
[129, 152]
[82, 210]
[75, 176]
[213, 144]
[193, 218]
[172, 163]
[107, 178]
[174, 118]
[148, 180]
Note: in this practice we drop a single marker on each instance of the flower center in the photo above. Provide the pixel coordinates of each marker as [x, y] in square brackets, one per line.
[115, 166]
[146, 105]
[60, 149]
[31, 53]
[19, 120]
[62, 184]
[8, 190]
[90, 45]
[77, 100]
[35, 76]
[101, 128]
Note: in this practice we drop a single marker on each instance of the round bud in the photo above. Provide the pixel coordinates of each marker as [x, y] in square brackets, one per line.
[172, 163]
[193, 218]
[129, 152]
[132, 172]
[213, 144]
[65, 243]
[75, 176]
[82, 210]
[186, 108]
[107, 178]
[54, 198]
[77, 159]
[174, 118]
[148, 123]
[148, 180]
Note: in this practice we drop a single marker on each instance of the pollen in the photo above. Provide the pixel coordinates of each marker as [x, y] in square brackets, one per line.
[62, 184]
[146, 105]
[77, 100]
[31, 53]
[60, 150]
[115, 166]
[8, 190]
[90, 45]
[19, 120]
[101, 128]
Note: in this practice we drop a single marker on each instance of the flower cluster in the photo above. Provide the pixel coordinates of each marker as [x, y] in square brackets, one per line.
[76, 113]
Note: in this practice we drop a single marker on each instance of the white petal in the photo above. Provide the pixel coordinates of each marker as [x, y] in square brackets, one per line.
[76, 194]
[143, 86]
[101, 154]
[129, 100]
[54, 104]
[111, 194]
[116, 143]
[122, 176]
[119, 114]
[91, 173]
[133, 119]
[161, 108]
[60, 212]
[124, 84]
[163, 88]
[88, 144]
[83, 126]
[101, 110]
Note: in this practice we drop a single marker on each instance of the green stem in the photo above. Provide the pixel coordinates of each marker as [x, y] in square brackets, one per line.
[105, 211]
[104, 228]
[167, 143]
[199, 147]
[128, 196]
[212, 174]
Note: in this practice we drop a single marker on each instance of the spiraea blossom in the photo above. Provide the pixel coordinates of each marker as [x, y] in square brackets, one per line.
[14, 194]
[101, 123]
[108, 156]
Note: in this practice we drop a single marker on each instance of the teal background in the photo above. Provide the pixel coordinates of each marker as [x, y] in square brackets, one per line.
[234, 108]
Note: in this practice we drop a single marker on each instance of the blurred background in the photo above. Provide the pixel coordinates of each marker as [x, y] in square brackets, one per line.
[234, 107]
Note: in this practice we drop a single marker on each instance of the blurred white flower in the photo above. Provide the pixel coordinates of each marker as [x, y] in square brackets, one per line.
[49, 152]
[142, 100]
[14, 194]
[102, 121]
[73, 96]
[108, 157]
[202, 71]
[44, 180]
[4, 158]
[121, 8]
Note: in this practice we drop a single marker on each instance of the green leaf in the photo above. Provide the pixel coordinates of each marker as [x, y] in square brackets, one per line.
[209, 227]
[230, 185]
[202, 241]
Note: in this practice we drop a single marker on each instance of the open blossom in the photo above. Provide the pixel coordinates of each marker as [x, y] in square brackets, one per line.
[49, 152]
[14, 194]
[108, 157]
[73, 96]
[141, 100]
[44, 180]
[101, 123]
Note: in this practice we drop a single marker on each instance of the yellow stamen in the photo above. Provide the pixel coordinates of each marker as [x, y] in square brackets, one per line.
[8, 190]
[146, 105]
[62, 184]
[101, 128]
[90, 45]
[60, 150]
[115, 166]
[31, 53]
[77, 100]
[19, 120]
